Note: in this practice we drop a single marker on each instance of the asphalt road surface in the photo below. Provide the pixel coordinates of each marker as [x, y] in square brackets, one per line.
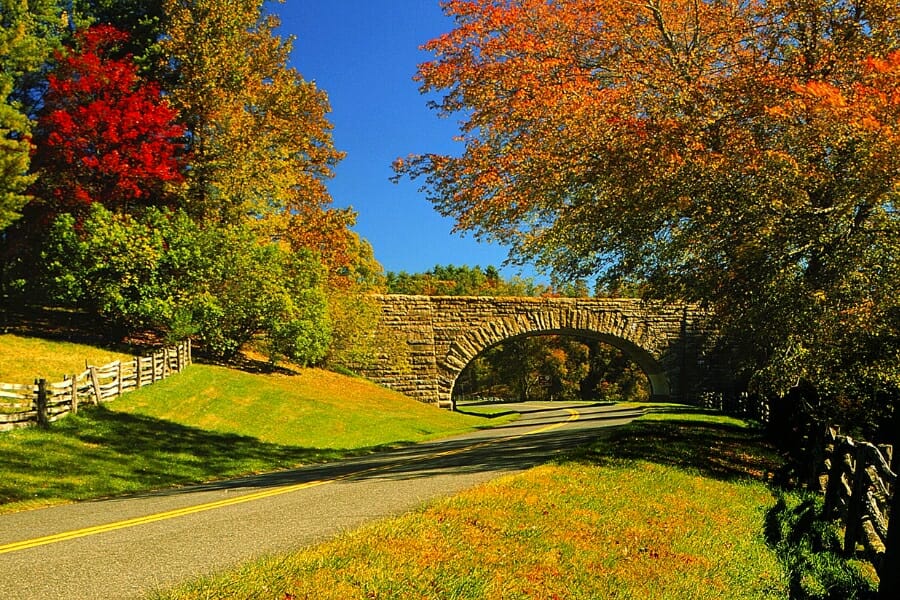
[127, 547]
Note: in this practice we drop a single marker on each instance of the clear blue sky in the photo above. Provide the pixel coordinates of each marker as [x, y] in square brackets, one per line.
[364, 54]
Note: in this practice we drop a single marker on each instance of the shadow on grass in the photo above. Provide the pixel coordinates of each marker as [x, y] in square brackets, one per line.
[68, 325]
[719, 450]
[810, 548]
[100, 452]
[495, 415]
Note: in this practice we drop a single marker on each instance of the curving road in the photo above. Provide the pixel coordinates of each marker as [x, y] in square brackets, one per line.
[126, 547]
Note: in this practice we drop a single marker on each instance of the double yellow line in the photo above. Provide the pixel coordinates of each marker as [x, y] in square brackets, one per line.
[180, 512]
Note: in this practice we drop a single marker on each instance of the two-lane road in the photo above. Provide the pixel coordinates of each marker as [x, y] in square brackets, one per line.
[126, 547]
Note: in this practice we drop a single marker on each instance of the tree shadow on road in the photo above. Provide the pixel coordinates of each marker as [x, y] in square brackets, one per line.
[100, 452]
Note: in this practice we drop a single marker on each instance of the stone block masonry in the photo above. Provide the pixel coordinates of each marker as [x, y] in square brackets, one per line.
[444, 333]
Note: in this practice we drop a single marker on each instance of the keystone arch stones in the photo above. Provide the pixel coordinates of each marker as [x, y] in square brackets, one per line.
[444, 333]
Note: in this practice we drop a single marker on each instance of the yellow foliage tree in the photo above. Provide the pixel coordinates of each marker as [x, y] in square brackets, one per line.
[259, 138]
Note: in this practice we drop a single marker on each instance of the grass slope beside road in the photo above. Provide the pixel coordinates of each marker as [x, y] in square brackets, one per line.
[310, 408]
[22, 358]
[210, 423]
[680, 504]
[672, 506]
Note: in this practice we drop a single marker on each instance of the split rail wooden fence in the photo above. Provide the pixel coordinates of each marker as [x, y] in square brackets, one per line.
[858, 484]
[855, 477]
[44, 402]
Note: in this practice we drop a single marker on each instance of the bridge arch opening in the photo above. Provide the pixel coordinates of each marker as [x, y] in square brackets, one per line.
[464, 352]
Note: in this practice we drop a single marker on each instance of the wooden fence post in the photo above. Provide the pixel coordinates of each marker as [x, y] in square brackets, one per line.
[835, 481]
[887, 451]
[855, 505]
[43, 419]
[119, 379]
[95, 382]
[73, 400]
[137, 372]
[889, 586]
[818, 470]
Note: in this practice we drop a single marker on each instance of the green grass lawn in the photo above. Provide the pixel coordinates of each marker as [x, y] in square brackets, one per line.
[674, 506]
[312, 408]
[211, 423]
[22, 359]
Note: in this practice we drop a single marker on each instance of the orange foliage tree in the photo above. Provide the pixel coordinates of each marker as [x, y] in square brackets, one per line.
[259, 135]
[746, 154]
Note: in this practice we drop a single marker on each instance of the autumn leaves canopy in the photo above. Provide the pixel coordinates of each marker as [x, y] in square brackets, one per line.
[604, 128]
[745, 154]
[177, 175]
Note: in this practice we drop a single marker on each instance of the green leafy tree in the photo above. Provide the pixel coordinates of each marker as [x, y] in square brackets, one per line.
[163, 272]
[518, 365]
[142, 19]
[576, 288]
[612, 376]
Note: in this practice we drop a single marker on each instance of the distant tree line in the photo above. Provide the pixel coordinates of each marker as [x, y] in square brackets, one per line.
[464, 280]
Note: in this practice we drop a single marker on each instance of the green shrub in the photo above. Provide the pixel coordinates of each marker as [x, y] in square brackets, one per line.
[161, 270]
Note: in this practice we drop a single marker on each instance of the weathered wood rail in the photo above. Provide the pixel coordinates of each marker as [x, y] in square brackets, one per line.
[858, 483]
[44, 402]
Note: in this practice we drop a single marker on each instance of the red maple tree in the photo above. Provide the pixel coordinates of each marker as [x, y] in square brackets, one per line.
[105, 135]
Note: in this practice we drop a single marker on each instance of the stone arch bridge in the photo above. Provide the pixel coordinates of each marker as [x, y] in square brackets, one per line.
[444, 333]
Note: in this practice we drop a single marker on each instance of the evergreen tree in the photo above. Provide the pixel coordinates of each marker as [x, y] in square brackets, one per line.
[29, 32]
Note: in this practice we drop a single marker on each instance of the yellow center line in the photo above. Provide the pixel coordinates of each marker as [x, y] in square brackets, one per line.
[189, 510]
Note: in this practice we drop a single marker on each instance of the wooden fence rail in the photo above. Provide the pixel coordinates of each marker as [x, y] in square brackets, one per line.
[44, 402]
[858, 484]
[743, 405]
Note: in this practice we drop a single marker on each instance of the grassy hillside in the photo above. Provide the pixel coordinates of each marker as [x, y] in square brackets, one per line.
[22, 359]
[210, 423]
[312, 408]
